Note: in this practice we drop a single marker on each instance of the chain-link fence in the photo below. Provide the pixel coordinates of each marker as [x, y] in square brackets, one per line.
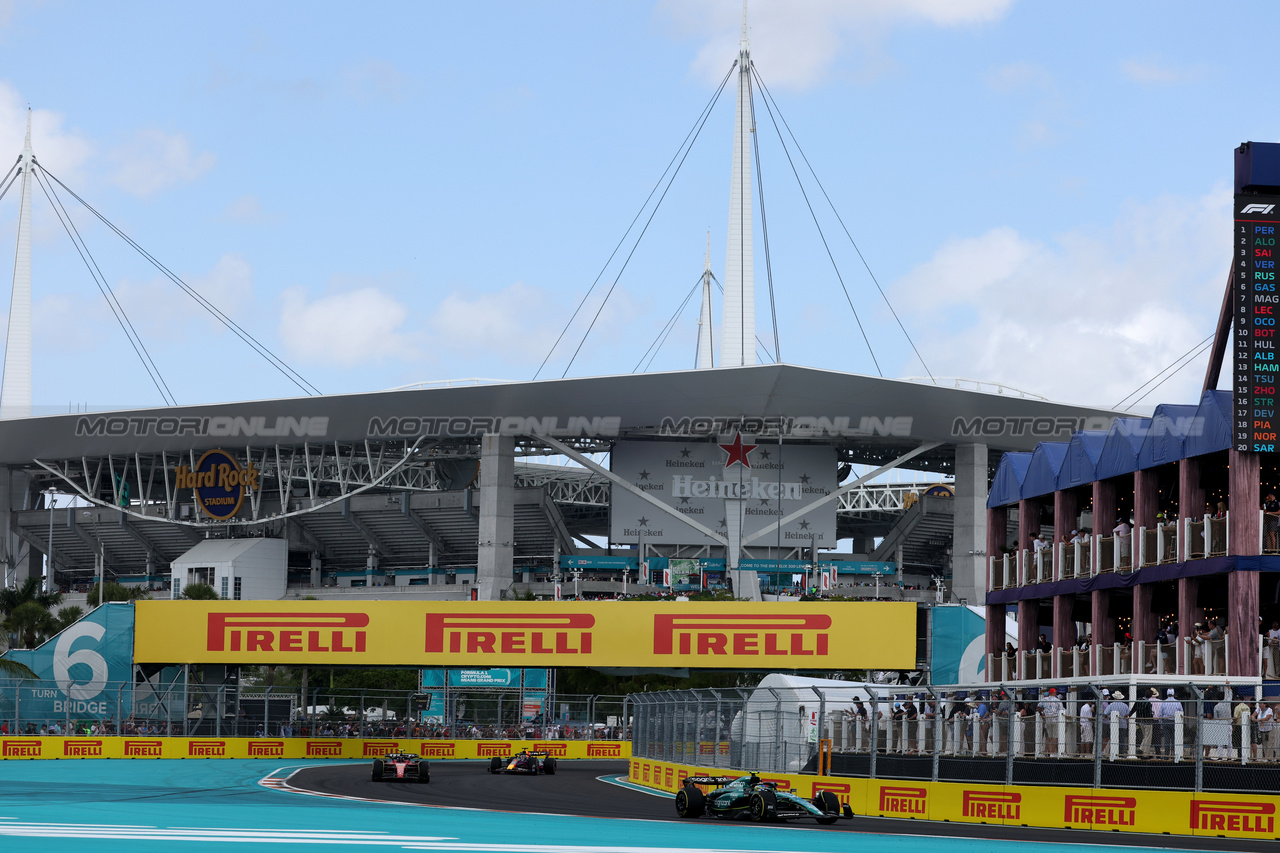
[182, 707]
[1179, 737]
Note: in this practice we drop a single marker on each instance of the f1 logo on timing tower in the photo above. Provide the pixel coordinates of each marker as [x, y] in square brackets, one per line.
[1258, 208]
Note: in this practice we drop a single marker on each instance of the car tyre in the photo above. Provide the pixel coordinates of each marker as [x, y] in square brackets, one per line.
[690, 802]
[762, 806]
[495, 765]
[377, 771]
[549, 766]
[830, 806]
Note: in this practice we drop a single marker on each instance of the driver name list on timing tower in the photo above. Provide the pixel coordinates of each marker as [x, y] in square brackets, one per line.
[1257, 369]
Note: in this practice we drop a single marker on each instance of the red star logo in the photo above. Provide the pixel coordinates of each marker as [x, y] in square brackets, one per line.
[738, 452]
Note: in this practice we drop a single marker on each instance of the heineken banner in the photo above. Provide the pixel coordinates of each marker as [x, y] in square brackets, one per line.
[75, 668]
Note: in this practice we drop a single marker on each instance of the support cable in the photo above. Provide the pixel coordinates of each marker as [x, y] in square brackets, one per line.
[821, 235]
[95, 272]
[256, 345]
[9, 177]
[658, 204]
[687, 141]
[852, 242]
[764, 221]
[666, 330]
[1185, 359]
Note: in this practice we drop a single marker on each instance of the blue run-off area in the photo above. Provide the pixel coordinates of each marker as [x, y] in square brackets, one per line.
[210, 806]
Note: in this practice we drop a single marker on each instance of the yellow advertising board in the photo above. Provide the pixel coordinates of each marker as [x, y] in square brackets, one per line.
[29, 748]
[1155, 812]
[737, 635]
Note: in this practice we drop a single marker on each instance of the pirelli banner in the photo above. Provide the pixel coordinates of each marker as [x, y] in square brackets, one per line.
[18, 748]
[739, 635]
[1152, 812]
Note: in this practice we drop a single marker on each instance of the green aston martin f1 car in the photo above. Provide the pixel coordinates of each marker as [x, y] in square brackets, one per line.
[732, 797]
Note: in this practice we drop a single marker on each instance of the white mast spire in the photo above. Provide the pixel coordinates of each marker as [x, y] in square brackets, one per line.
[15, 395]
[738, 337]
[706, 357]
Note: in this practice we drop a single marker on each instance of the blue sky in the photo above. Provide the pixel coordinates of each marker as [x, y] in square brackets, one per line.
[405, 192]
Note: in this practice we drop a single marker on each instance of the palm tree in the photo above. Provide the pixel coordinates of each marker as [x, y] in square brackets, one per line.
[30, 590]
[31, 623]
[113, 591]
[201, 592]
[68, 616]
[13, 669]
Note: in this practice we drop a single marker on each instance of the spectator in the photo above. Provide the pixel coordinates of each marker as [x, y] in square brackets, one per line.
[1051, 711]
[1196, 640]
[1273, 648]
[1271, 519]
[1263, 722]
[982, 728]
[1144, 718]
[1239, 714]
[1165, 713]
[1043, 644]
[1215, 644]
[1123, 533]
[1086, 728]
[1120, 708]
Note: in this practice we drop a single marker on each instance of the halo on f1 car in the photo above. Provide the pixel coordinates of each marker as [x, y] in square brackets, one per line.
[401, 767]
[734, 797]
[531, 763]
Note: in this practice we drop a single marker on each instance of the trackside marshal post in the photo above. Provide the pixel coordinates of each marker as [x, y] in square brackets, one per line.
[739, 635]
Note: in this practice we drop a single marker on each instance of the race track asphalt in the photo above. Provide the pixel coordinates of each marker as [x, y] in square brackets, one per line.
[582, 789]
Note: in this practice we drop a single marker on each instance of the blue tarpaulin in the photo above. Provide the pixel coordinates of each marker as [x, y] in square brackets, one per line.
[1213, 417]
[1163, 441]
[1042, 473]
[1120, 451]
[1006, 488]
[1079, 468]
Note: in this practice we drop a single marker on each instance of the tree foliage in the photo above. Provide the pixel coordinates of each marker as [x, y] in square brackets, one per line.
[200, 592]
[31, 623]
[30, 590]
[112, 591]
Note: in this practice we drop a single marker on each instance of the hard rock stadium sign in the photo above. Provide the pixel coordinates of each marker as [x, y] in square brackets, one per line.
[741, 635]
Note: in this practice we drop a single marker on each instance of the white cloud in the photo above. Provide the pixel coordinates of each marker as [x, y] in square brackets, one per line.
[154, 160]
[63, 151]
[346, 329]
[374, 80]
[1087, 316]
[501, 323]
[798, 41]
[246, 208]
[1150, 71]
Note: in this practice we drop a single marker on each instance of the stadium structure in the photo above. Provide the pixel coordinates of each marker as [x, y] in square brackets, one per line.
[735, 473]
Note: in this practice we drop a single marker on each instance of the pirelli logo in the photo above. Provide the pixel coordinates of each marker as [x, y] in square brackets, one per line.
[438, 749]
[287, 632]
[604, 750]
[82, 749]
[991, 805]
[556, 749]
[1100, 811]
[842, 790]
[492, 748]
[20, 748]
[266, 749]
[509, 633]
[324, 749]
[911, 802]
[710, 634]
[379, 748]
[143, 749]
[1234, 817]
[207, 749]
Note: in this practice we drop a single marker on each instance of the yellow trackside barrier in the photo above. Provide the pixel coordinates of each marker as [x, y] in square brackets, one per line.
[16, 748]
[1172, 812]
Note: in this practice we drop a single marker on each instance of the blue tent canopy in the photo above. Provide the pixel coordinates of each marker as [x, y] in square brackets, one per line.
[1081, 463]
[1006, 488]
[1211, 431]
[1169, 426]
[1120, 451]
[1042, 474]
